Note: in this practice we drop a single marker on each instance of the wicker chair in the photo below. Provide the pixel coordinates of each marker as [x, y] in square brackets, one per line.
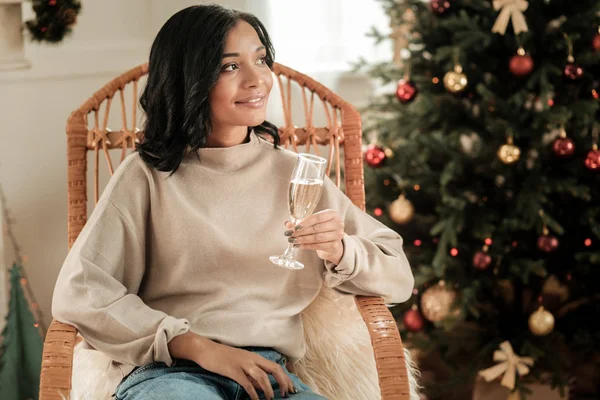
[342, 134]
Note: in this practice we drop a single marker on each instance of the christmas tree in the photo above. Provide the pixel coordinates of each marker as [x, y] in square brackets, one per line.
[484, 157]
[22, 337]
[21, 355]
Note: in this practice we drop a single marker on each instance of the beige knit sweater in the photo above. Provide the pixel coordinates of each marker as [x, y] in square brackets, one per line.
[162, 255]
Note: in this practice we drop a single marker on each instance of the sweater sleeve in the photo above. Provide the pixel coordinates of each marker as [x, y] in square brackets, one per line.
[373, 262]
[97, 287]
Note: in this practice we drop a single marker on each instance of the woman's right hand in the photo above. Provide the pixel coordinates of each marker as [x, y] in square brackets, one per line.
[246, 368]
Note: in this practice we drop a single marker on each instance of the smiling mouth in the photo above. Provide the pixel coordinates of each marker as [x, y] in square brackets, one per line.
[255, 102]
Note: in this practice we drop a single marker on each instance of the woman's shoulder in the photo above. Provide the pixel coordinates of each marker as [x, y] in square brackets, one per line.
[132, 176]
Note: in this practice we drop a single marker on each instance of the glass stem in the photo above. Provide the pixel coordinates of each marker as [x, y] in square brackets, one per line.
[290, 252]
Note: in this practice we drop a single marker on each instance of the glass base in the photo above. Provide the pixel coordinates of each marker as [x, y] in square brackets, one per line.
[286, 262]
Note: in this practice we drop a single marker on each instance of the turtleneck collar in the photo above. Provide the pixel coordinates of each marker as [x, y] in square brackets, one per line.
[232, 158]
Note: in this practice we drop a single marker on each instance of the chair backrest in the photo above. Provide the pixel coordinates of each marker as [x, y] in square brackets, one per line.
[88, 131]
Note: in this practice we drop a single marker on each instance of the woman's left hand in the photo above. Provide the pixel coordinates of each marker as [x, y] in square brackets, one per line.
[322, 231]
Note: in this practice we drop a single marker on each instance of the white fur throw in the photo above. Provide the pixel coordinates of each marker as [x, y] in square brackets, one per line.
[339, 361]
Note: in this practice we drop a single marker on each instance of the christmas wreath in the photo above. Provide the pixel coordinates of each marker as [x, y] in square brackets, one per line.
[53, 19]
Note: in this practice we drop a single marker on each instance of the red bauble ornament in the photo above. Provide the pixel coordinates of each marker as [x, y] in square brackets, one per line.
[413, 320]
[547, 243]
[573, 71]
[592, 160]
[521, 65]
[406, 91]
[563, 147]
[374, 156]
[440, 6]
[482, 260]
[596, 42]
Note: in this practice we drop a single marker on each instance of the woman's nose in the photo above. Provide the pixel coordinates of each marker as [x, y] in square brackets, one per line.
[253, 78]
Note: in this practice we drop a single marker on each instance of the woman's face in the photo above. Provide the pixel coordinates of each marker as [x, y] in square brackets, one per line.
[239, 98]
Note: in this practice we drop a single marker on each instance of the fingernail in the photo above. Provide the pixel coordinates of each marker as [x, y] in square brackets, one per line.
[298, 227]
[296, 245]
[292, 239]
[289, 233]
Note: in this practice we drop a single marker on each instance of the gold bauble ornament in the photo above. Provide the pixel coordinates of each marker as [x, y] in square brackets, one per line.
[455, 81]
[541, 322]
[401, 210]
[436, 302]
[509, 153]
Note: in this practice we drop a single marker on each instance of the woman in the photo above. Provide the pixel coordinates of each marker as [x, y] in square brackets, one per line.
[170, 277]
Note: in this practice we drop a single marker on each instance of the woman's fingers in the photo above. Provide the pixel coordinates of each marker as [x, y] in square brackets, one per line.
[282, 378]
[241, 378]
[327, 226]
[318, 219]
[318, 238]
[260, 379]
[246, 368]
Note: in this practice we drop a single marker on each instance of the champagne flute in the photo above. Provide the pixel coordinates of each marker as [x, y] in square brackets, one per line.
[306, 185]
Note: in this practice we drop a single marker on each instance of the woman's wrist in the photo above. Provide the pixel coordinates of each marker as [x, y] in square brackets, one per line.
[188, 346]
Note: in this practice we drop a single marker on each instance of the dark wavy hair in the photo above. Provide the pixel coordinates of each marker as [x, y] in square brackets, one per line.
[185, 62]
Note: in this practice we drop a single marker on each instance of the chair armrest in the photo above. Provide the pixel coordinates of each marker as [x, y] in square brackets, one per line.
[57, 362]
[387, 346]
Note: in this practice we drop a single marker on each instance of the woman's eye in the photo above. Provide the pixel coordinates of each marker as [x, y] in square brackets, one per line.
[229, 67]
[262, 60]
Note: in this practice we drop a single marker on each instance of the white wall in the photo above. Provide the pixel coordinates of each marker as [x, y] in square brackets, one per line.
[34, 106]
[110, 37]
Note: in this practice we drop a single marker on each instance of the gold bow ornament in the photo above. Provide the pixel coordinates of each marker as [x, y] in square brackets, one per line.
[510, 9]
[400, 35]
[510, 365]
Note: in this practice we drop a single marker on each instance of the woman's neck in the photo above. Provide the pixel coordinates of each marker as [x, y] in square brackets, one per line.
[228, 137]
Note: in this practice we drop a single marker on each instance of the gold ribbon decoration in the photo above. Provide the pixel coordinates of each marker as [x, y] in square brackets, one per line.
[510, 365]
[510, 9]
[401, 35]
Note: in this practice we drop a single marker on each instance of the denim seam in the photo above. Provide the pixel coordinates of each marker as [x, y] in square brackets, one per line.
[238, 389]
[134, 373]
[143, 368]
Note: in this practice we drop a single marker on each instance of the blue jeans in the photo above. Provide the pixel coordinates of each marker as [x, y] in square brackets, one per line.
[186, 380]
